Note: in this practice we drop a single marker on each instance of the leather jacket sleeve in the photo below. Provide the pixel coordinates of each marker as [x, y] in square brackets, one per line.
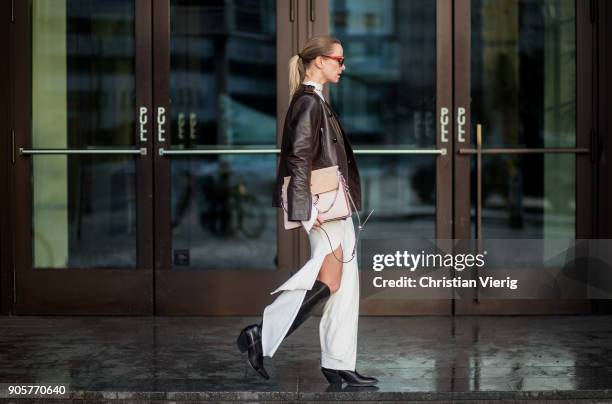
[304, 122]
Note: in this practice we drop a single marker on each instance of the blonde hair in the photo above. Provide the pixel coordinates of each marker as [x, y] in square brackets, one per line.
[316, 46]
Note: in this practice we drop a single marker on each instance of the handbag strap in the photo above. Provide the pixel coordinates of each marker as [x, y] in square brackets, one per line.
[317, 201]
[360, 227]
[333, 202]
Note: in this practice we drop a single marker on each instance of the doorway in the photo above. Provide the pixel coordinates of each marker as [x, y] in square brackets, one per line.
[147, 135]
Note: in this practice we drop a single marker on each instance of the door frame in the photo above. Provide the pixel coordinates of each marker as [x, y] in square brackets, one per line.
[198, 291]
[47, 285]
[444, 165]
[462, 174]
[78, 290]
[206, 292]
[444, 170]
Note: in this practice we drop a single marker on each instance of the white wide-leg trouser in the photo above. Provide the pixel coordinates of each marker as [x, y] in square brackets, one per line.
[338, 326]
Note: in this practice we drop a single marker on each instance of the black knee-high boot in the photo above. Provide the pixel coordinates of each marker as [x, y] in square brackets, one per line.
[318, 294]
[250, 337]
[249, 340]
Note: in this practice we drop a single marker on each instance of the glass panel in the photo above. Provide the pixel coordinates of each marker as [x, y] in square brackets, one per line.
[528, 196]
[387, 97]
[223, 72]
[83, 91]
[402, 192]
[83, 95]
[222, 217]
[223, 79]
[84, 211]
[387, 94]
[523, 72]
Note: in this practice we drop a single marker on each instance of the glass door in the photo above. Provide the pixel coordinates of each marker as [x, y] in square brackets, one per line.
[82, 166]
[216, 92]
[147, 135]
[522, 163]
[147, 145]
[395, 102]
[220, 74]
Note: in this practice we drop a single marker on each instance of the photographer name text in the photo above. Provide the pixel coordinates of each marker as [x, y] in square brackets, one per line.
[404, 260]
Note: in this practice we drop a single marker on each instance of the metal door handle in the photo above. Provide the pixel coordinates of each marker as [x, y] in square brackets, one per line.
[441, 152]
[193, 124]
[312, 10]
[142, 151]
[193, 152]
[273, 150]
[181, 126]
[479, 151]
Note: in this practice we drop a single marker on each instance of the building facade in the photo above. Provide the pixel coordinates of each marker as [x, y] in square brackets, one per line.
[143, 137]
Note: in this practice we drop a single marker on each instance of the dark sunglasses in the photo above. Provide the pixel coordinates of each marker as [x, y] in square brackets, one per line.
[339, 59]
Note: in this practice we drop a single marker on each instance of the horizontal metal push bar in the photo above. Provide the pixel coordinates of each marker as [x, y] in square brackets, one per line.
[190, 152]
[579, 150]
[195, 152]
[441, 152]
[141, 151]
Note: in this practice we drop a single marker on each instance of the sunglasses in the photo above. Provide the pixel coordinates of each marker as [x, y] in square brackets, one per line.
[339, 59]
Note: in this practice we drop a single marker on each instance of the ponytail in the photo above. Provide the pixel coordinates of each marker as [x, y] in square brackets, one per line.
[315, 46]
[296, 74]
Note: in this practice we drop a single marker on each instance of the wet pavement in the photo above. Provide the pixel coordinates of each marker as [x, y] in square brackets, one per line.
[536, 358]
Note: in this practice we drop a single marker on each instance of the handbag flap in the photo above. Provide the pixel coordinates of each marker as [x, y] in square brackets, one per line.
[321, 180]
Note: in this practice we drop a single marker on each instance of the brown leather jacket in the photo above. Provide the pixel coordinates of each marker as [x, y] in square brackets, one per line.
[312, 138]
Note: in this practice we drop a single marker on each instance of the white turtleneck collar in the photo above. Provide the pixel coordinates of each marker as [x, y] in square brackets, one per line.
[318, 87]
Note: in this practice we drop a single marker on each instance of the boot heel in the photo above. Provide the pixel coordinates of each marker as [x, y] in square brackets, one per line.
[332, 376]
[242, 342]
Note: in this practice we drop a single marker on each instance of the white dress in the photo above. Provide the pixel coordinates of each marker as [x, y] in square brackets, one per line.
[338, 325]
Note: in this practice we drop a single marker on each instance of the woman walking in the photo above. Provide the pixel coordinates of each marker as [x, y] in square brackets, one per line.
[313, 138]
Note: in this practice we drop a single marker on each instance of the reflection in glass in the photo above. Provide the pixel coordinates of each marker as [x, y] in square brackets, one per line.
[402, 192]
[223, 90]
[223, 72]
[528, 196]
[387, 94]
[222, 217]
[524, 93]
[83, 91]
[84, 217]
[387, 97]
[83, 95]
[523, 72]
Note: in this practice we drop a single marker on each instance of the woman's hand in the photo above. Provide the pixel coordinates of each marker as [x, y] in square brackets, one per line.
[318, 222]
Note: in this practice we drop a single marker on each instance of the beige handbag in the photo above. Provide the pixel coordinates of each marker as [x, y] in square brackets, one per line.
[332, 199]
[329, 194]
